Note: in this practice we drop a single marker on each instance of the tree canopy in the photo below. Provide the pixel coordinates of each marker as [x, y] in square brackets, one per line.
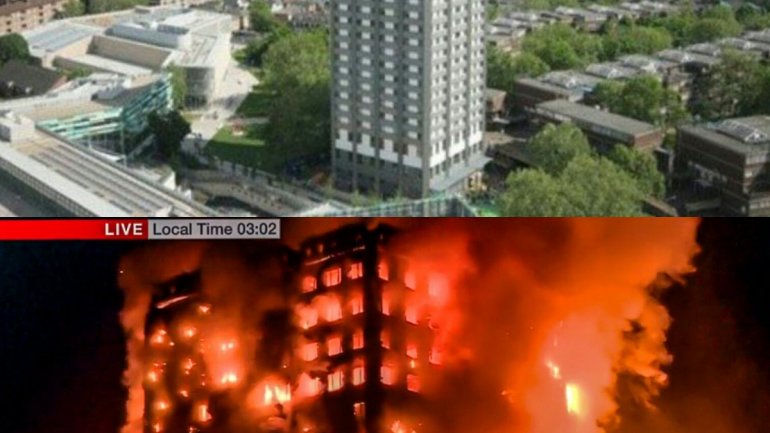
[13, 46]
[643, 98]
[554, 147]
[622, 40]
[169, 130]
[563, 47]
[178, 86]
[503, 69]
[642, 167]
[261, 18]
[296, 70]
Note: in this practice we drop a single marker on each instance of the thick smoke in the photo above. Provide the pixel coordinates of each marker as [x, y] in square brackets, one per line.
[539, 319]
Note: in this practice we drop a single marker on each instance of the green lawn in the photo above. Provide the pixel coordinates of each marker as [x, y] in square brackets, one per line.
[250, 149]
[258, 103]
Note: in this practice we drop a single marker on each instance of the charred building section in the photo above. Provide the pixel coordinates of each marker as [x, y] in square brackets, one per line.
[351, 352]
[366, 341]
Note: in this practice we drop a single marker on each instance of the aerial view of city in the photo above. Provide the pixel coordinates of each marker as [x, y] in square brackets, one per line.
[272, 108]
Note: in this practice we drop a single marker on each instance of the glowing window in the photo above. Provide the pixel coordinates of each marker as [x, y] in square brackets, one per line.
[310, 352]
[358, 339]
[359, 409]
[333, 310]
[332, 277]
[385, 339]
[438, 287]
[309, 284]
[387, 375]
[357, 305]
[410, 280]
[412, 383]
[385, 304]
[359, 375]
[411, 314]
[335, 346]
[356, 271]
[382, 270]
[411, 350]
[336, 381]
[308, 317]
[435, 356]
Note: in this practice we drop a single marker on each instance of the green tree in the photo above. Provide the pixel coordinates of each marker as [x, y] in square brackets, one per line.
[255, 50]
[643, 98]
[13, 47]
[261, 18]
[634, 40]
[503, 69]
[731, 89]
[752, 17]
[178, 86]
[555, 146]
[642, 167]
[169, 130]
[710, 29]
[533, 192]
[73, 8]
[562, 47]
[296, 70]
[588, 186]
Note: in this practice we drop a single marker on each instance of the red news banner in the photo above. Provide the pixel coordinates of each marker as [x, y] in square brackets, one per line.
[140, 229]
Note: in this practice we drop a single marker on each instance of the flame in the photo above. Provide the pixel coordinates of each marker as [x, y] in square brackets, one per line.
[574, 399]
[277, 394]
[188, 331]
[204, 309]
[224, 347]
[555, 370]
[229, 378]
[162, 405]
[202, 414]
[159, 337]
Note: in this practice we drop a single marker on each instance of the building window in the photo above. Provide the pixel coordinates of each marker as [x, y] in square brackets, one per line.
[310, 351]
[357, 304]
[334, 345]
[332, 277]
[333, 310]
[435, 356]
[308, 317]
[411, 314]
[386, 304]
[412, 383]
[336, 381]
[382, 270]
[309, 284]
[387, 375]
[359, 410]
[356, 271]
[411, 350]
[410, 280]
[359, 374]
[358, 339]
[385, 339]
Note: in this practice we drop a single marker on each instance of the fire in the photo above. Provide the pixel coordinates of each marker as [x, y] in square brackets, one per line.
[188, 331]
[555, 371]
[229, 378]
[156, 427]
[152, 376]
[159, 337]
[574, 399]
[162, 405]
[202, 414]
[277, 394]
[204, 309]
[227, 346]
[188, 365]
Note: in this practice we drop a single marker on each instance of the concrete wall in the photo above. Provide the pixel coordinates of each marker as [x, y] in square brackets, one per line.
[130, 52]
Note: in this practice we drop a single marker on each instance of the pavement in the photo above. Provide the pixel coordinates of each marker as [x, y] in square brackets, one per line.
[235, 87]
[12, 204]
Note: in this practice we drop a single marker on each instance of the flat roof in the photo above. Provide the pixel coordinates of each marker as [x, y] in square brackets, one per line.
[102, 187]
[111, 65]
[591, 115]
[730, 134]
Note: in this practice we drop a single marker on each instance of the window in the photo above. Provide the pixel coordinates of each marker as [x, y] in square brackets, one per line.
[332, 277]
[357, 304]
[411, 350]
[333, 310]
[410, 280]
[387, 375]
[359, 374]
[386, 304]
[336, 381]
[412, 383]
[358, 339]
[308, 317]
[334, 346]
[359, 409]
[309, 284]
[411, 314]
[434, 357]
[385, 339]
[382, 270]
[310, 351]
[356, 271]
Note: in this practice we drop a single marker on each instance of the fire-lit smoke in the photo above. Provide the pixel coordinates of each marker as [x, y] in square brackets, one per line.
[535, 321]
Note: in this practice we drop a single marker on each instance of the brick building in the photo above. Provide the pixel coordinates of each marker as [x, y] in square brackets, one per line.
[19, 15]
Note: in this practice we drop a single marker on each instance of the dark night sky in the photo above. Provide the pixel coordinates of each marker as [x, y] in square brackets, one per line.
[62, 354]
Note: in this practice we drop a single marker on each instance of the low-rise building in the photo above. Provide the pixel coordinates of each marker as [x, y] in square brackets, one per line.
[611, 71]
[18, 79]
[17, 16]
[583, 19]
[142, 41]
[569, 85]
[603, 129]
[732, 156]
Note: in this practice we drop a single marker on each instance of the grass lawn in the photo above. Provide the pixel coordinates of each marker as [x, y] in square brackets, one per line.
[250, 149]
[258, 103]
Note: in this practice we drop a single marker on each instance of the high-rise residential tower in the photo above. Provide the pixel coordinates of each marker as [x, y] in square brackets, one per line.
[408, 95]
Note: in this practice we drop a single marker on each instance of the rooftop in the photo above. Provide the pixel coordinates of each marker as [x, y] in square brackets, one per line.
[24, 76]
[611, 70]
[744, 135]
[593, 116]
